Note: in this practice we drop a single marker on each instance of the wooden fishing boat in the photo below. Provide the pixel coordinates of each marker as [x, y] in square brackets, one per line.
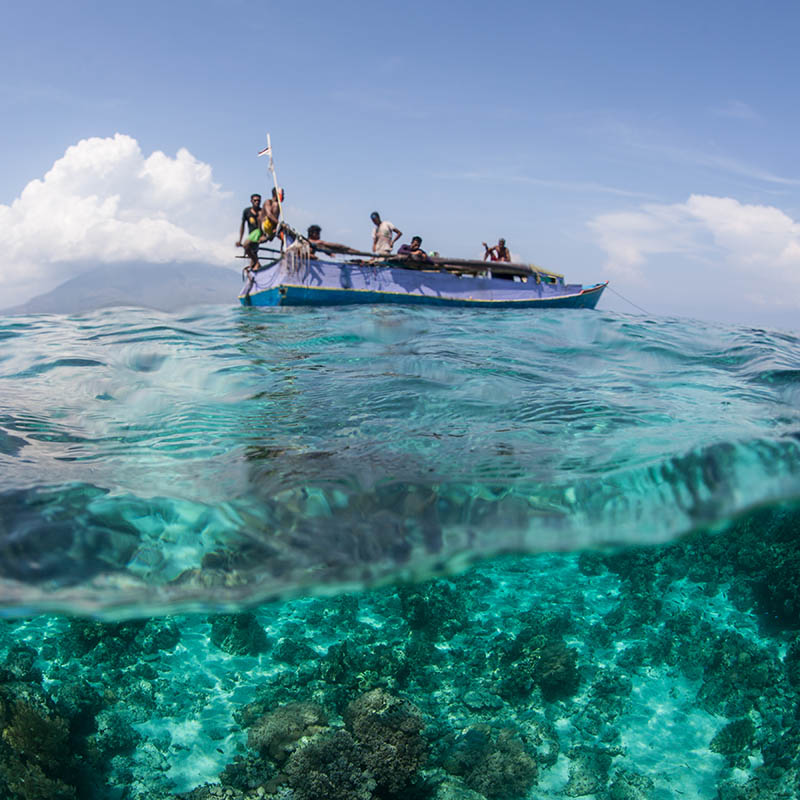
[304, 275]
[315, 273]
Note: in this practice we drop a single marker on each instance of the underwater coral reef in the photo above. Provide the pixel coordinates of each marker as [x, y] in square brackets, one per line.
[629, 674]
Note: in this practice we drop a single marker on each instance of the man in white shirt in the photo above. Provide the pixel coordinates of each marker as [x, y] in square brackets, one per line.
[382, 241]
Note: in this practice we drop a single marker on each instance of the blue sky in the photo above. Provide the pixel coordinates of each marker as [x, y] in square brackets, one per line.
[647, 143]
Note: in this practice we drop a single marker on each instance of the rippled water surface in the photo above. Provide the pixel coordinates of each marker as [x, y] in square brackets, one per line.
[152, 461]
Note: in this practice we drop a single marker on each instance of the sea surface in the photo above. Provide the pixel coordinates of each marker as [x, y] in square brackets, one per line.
[380, 553]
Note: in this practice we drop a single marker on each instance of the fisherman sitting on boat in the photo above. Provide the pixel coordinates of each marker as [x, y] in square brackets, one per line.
[313, 236]
[382, 241]
[251, 215]
[497, 253]
[329, 248]
[413, 250]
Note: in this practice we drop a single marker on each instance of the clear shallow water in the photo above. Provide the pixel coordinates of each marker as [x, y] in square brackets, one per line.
[154, 464]
[151, 462]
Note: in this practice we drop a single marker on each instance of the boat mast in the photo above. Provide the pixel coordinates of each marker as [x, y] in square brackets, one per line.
[271, 167]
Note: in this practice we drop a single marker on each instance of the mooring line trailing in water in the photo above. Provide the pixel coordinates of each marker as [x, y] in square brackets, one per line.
[628, 301]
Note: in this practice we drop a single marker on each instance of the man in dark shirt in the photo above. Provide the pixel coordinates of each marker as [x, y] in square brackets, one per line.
[414, 249]
[251, 216]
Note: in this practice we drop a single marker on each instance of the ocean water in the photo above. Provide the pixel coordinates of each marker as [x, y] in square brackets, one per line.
[386, 553]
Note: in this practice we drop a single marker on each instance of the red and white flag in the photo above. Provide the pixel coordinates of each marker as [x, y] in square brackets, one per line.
[267, 151]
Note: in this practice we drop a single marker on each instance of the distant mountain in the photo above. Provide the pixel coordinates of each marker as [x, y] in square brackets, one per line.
[164, 287]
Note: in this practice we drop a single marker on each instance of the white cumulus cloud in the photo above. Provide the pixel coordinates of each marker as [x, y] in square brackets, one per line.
[104, 201]
[725, 252]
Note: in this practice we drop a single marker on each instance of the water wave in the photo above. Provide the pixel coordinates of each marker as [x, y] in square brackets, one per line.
[213, 459]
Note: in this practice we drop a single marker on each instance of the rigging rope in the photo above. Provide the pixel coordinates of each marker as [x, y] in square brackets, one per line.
[628, 301]
[297, 256]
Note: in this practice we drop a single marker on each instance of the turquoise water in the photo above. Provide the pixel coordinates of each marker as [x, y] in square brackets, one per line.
[528, 555]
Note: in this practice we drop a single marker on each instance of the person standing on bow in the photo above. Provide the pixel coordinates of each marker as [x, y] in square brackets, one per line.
[385, 235]
[497, 253]
[252, 217]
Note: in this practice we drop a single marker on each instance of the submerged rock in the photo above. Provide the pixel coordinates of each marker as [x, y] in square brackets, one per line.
[734, 737]
[238, 634]
[493, 762]
[20, 665]
[389, 731]
[630, 785]
[278, 734]
[330, 766]
[293, 652]
[35, 758]
[435, 608]
[588, 771]
[555, 671]
[537, 658]
[454, 789]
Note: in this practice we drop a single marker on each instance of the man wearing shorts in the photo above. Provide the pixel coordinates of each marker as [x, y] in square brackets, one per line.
[251, 215]
[270, 214]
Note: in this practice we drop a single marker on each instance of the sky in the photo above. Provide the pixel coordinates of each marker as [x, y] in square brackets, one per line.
[650, 144]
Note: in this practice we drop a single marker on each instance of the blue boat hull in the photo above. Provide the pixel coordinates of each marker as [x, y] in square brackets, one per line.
[295, 282]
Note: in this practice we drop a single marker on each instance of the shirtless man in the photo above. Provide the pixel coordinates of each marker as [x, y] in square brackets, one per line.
[497, 253]
[382, 241]
[270, 215]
